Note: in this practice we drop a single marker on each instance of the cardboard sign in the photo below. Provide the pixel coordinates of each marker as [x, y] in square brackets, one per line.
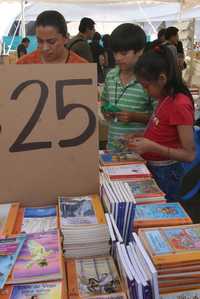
[48, 139]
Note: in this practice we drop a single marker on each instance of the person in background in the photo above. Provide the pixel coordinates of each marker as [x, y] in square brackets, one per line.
[125, 104]
[51, 33]
[22, 48]
[160, 39]
[98, 56]
[79, 44]
[171, 40]
[109, 57]
[168, 138]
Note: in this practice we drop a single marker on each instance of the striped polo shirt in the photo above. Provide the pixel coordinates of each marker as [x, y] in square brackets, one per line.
[130, 98]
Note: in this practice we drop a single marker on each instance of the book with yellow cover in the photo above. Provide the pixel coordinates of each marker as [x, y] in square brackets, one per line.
[171, 245]
[160, 214]
[8, 215]
[93, 278]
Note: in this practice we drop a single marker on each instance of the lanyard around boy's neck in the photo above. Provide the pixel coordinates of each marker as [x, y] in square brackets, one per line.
[117, 98]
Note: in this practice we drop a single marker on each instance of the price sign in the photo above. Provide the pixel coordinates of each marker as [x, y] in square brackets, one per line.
[48, 138]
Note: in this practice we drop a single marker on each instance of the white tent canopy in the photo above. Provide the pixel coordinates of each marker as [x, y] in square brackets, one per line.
[104, 12]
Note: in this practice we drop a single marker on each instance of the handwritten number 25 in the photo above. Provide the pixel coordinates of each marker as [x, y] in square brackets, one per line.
[62, 112]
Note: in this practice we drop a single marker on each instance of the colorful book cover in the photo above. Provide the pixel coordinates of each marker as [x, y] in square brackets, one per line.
[145, 188]
[38, 220]
[49, 290]
[172, 244]
[160, 211]
[109, 158]
[77, 210]
[94, 277]
[9, 250]
[39, 259]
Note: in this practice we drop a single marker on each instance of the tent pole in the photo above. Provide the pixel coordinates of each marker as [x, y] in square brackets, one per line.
[23, 29]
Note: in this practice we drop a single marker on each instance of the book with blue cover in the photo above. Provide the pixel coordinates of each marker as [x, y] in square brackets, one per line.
[38, 220]
[160, 214]
[9, 251]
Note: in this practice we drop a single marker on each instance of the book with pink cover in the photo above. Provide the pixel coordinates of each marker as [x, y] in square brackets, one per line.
[39, 260]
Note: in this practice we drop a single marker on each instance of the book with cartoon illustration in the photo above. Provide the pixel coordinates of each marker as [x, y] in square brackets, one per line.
[118, 158]
[8, 214]
[47, 290]
[159, 214]
[176, 244]
[39, 259]
[38, 220]
[9, 250]
[145, 188]
[93, 277]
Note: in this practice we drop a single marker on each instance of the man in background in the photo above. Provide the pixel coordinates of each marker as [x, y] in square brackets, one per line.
[22, 48]
[79, 44]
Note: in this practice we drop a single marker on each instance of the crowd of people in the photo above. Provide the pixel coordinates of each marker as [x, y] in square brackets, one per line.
[144, 99]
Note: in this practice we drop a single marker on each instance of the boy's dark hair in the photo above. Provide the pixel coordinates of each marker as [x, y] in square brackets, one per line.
[86, 23]
[157, 61]
[52, 18]
[25, 40]
[171, 31]
[128, 37]
[161, 32]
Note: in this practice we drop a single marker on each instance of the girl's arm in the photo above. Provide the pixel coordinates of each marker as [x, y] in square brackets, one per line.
[186, 153]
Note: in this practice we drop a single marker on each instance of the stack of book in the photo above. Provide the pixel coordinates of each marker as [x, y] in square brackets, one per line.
[175, 252]
[138, 272]
[118, 201]
[145, 191]
[160, 214]
[94, 278]
[84, 226]
[126, 172]
[109, 158]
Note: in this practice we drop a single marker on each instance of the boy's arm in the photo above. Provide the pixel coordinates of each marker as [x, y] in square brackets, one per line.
[140, 117]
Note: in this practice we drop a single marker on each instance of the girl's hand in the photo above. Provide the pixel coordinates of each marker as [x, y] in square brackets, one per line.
[108, 115]
[142, 145]
[124, 116]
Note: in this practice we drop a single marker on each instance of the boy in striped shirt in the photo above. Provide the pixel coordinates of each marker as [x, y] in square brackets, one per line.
[125, 104]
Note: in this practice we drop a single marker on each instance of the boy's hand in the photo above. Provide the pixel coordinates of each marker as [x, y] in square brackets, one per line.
[142, 145]
[108, 115]
[124, 116]
[130, 137]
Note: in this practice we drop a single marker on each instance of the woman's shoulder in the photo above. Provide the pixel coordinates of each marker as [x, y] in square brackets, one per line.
[182, 99]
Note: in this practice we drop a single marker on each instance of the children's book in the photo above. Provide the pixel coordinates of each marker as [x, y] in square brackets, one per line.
[8, 214]
[38, 220]
[159, 214]
[130, 171]
[39, 260]
[93, 278]
[119, 158]
[145, 188]
[9, 251]
[47, 290]
[176, 244]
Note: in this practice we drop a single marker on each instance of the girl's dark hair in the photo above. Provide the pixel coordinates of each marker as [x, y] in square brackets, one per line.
[52, 18]
[161, 60]
[128, 37]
